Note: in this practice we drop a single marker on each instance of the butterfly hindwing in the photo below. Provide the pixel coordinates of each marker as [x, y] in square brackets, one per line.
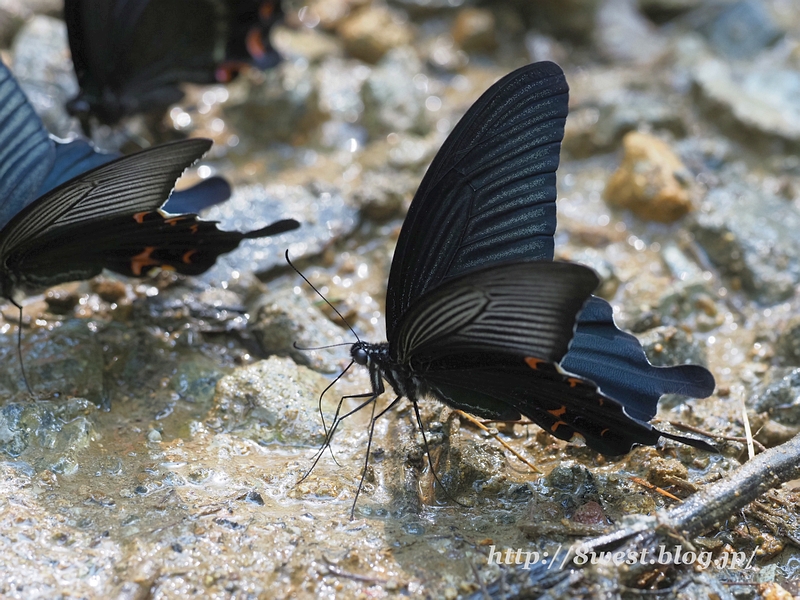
[616, 362]
[132, 245]
[529, 308]
[559, 403]
[489, 195]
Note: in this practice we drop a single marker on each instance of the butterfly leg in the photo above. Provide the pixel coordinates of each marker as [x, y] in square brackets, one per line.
[329, 386]
[19, 347]
[374, 419]
[371, 397]
[428, 454]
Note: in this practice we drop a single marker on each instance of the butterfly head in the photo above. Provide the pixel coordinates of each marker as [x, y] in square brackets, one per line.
[360, 353]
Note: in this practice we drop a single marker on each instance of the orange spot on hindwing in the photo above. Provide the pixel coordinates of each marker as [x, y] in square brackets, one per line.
[143, 259]
[187, 256]
[534, 363]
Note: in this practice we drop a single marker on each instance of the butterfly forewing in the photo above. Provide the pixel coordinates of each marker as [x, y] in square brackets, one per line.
[528, 308]
[137, 183]
[26, 151]
[489, 195]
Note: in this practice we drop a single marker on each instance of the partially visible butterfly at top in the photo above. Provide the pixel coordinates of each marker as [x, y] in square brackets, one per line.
[131, 56]
[480, 318]
[67, 212]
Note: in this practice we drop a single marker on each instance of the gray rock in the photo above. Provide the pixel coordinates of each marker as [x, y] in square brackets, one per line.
[392, 101]
[573, 19]
[787, 348]
[600, 128]
[779, 396]
[622, 34]
[425, 8]
[664, 10]
[751, 236]
[323, 213]
[271, 401]
[384, 194]
[43, 67]
[283, 319]
[47, 435]
[667, 346]
[289, 91]
[739, 29]
[755, 104]
[67, 360]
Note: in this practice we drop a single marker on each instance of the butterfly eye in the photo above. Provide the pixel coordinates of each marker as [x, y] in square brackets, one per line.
[359, 355]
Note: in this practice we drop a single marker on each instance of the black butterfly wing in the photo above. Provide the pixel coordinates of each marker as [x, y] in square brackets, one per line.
[26, 150]
[561, 404]
[616, 362]
[489, 197]
[131, 245]
[527, 308]
[489, 194]
[108, 217]
[249, 36]
[79, 156]
[131, 55]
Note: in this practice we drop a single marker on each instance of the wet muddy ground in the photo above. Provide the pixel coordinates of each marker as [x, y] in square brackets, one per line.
[164, 456]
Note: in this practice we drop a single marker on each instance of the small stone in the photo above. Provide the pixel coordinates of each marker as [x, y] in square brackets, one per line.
[788, 346]
[284, 320]
[739, 29]
[622, 34]
[474, 30]
[64, 297]
[590, 513]
[384, 194]
[372, 32]
[110, 290]
[651, 181]
[273, 400]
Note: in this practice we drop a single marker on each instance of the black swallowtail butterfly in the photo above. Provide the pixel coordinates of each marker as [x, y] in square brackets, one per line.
[131, 56]
[107, 217]
[477, 315]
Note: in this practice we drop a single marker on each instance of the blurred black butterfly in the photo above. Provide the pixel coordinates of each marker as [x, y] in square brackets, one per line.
[107, 217]
[131, 56]
[478, 317]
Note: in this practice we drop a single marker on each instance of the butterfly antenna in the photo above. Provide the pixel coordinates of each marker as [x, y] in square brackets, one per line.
[19, 347]
[296, 347]
[311, 285]
[430, 460]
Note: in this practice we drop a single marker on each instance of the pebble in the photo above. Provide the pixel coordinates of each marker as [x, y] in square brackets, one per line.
[283, 319]
[474, 30]
[651, 181]
[371, 32]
